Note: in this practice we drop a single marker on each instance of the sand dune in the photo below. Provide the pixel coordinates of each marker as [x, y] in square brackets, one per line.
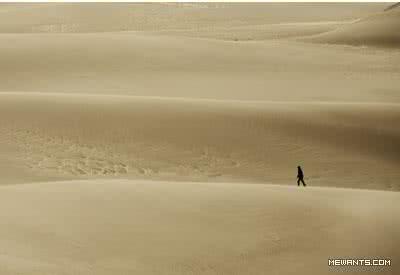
[375, 30]
[158, 65]
[105, 17]
[396, 5]
[151, 138]
[126, 227]
[259, 32]
[72, 136]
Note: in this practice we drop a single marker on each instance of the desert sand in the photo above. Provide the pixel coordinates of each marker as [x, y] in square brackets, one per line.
[125, 227]
[376, 29]
[164, 138]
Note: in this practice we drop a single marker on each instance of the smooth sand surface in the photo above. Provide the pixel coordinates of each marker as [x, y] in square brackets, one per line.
[73, 136]
[163, 138]
[132, 63]
[106, 17]
[136, 227]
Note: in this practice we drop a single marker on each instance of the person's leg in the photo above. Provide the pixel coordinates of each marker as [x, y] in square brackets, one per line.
[302, 180]
[298, 182]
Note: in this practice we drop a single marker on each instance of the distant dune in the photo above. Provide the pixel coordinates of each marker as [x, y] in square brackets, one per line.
[106, 17]
[259, 32]
[396, 5]
[380, 29]
[129, 63]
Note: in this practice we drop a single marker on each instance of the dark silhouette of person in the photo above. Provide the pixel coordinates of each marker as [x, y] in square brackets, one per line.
[300, 176]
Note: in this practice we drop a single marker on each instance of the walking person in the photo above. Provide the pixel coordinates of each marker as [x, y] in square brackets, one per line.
[300, 176]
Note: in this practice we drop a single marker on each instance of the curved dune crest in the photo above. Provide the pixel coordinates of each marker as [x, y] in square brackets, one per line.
[378, 30]
[396, 5]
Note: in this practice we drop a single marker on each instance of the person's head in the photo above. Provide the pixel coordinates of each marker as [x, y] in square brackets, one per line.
[298, 167]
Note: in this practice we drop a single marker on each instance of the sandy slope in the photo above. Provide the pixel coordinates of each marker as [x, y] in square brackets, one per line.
[96, 99]
[101, 17]
[380, 29]
[259, 32]
[70, 136]
[134, 227]
[159, 65]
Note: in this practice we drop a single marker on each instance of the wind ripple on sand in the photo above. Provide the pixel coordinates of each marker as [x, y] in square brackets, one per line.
[203, 140]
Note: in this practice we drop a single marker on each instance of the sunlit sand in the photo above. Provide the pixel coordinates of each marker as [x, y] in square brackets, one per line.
[164, 138]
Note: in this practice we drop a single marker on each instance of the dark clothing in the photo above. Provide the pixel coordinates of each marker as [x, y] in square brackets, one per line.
[300, 180]
[299, 172]
[300, 176]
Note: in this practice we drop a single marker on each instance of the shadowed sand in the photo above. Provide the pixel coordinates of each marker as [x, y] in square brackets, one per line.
[347, 144]
[377, 30]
